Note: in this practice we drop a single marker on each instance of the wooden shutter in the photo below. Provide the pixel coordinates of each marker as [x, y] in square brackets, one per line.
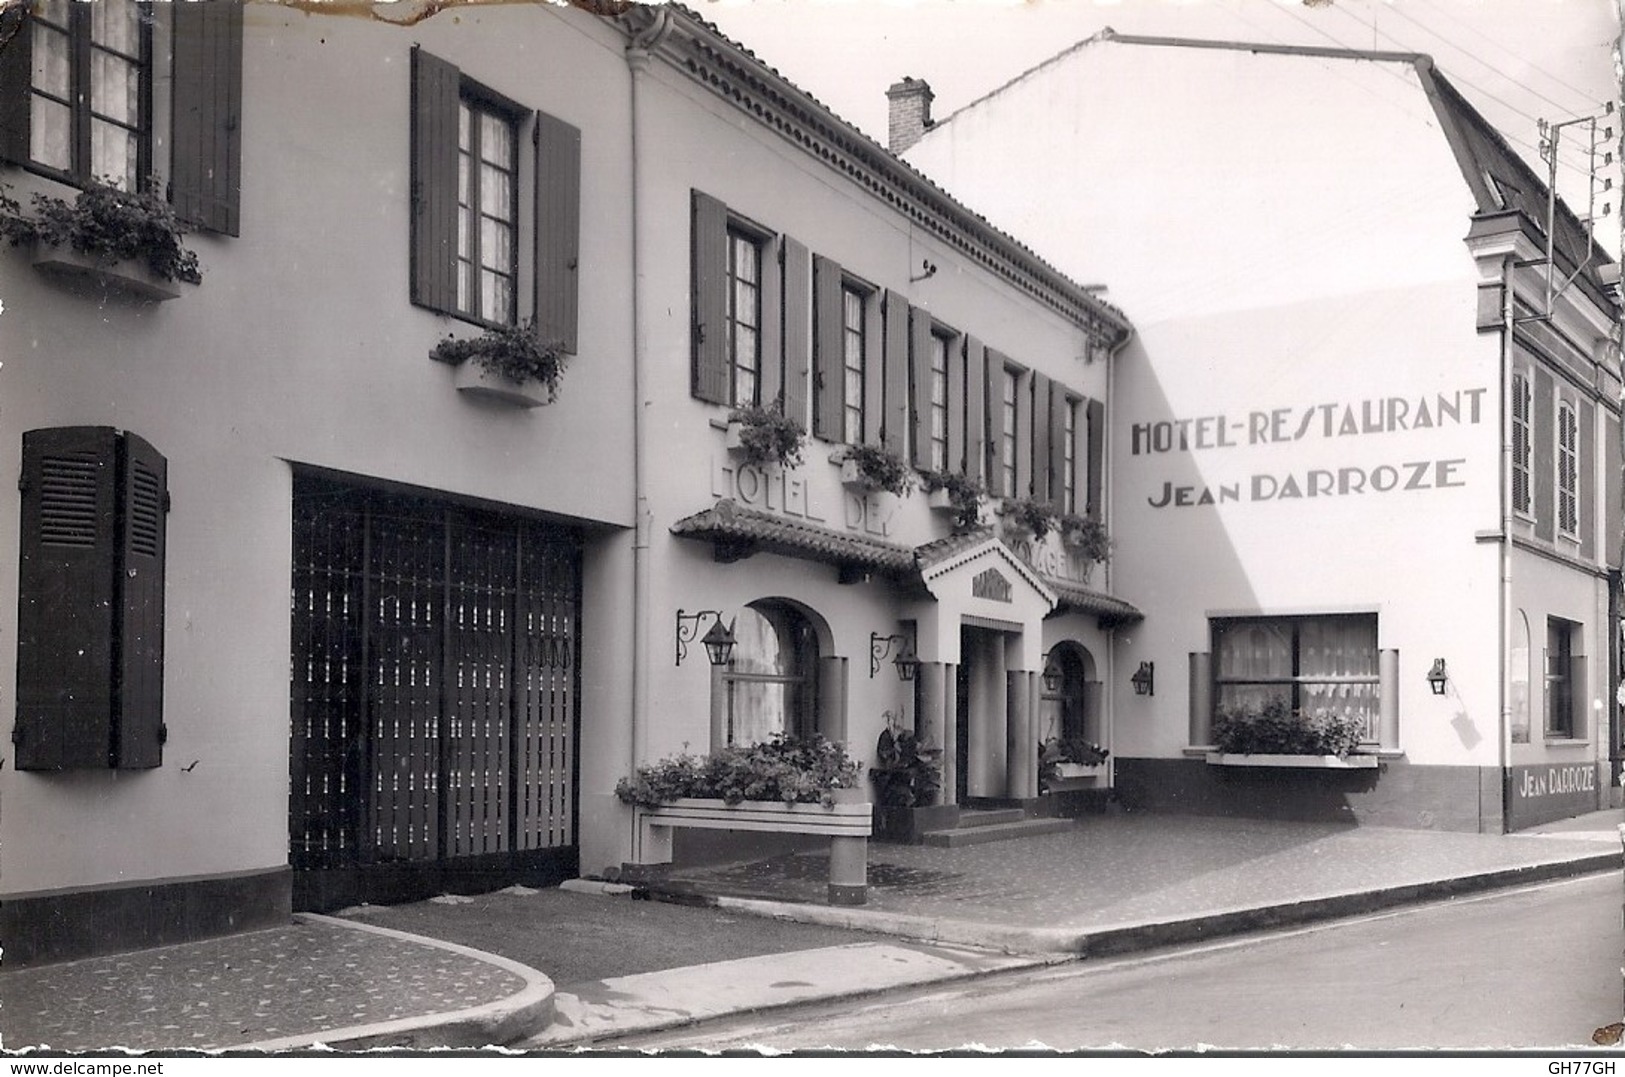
[1058, 404]
[976, 412]
[1024, 435]
[66, 599]
[894, 361]
[207, 109]
[138, 730]
[995, 425]
[1586, 480]
[1613, 497]
[919, 387]
[710, 250]
[956, 405]
[435, 96]
[1095, 490]
[1543, 432]
[797, 329]
[558, 229]
[770, 338]
[16, 77]
[829, 376]
[1040, 451]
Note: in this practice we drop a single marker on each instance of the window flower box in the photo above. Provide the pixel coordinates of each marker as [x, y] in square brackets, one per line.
[940, 500]
[846, 818]
[476, 381]
[1079, 770]
[1312, 762]
[129, 279]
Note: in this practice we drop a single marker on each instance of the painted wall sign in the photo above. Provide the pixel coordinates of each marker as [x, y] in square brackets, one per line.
[1543, 792]
[1051, 559]
[1378, 415]
[990, 584]
[788, 494]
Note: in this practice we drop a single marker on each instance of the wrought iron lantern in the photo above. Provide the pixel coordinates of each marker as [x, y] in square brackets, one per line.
[1437, 677]
[1144, 679]
[718, 642]
[906, 663]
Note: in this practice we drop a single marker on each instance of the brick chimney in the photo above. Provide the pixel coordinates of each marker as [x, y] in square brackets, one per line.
[909, 114]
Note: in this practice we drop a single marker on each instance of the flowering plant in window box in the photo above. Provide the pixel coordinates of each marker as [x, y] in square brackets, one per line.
[1085, 537]
[1064, 758]
[506, 362]
[788, 770]
[959, 494]
[765, 435]
[127, 241]
[870, 468]
[1276, 730]
[1029, 517]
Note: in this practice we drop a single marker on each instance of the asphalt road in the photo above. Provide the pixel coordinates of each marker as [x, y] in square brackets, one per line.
[1531, 968]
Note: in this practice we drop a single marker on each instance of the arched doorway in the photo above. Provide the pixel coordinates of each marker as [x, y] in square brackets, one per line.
[1071, 710]
[771, 684]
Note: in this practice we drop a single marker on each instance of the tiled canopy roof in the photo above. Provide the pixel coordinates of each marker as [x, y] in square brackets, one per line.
[1081, 599]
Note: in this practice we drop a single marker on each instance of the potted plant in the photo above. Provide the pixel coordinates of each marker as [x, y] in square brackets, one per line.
[1068, 758]
[765, 435]
[1032, 518]
[509, 363]
[1083, 536]
[907, 778]
[868, 468]
[1276, 735]
[960, 495]
[784, 771]
[123, 241]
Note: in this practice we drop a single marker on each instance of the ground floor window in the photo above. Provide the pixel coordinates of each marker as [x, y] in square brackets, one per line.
[771, 684]
[1319, 665]
[1565, 679]
[1071, 709]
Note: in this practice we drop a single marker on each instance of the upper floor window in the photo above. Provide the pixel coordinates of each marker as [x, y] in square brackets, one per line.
[854, 349]
[1069, 456]
[89, 94]
[1520, 444]
[938, 429]
[745, 316]
[487, 212]
[1568, 470]
[1009, 395]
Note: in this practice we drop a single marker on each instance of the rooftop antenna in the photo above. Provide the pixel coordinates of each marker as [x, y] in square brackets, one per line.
[1600, 128]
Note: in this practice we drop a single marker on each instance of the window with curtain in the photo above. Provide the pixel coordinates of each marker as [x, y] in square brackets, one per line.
[1069, 457]
[89, 107]
[939, 402]
[853, 345]
[1007, 433]
[1321, 665]
[745, 316]
[1565, 679]
[487, 219]
[770, 686]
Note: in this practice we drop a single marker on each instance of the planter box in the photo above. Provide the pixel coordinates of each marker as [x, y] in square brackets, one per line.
[853, 478]
[852, 820]
[131, 280]
[1079, 770]
[473, 379]
[1311, 762]
[733, 438]
[939, 500]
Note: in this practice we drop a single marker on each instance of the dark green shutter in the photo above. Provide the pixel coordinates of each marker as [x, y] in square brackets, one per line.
[138, 730]
[1543, 433]
[976, 414]
[435, 95]
[1095, 491]
[710, 250]
[16, 79]
[797, 328]
[919, 384]
[207, 108]
[558, 230]
[894, 423]
[1058, 403]
[829, 379]
[1586, 480]
[1038, 452]
[66, 598]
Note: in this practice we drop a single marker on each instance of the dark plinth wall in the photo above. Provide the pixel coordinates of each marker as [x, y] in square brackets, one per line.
[1396, 793]
[64, 925]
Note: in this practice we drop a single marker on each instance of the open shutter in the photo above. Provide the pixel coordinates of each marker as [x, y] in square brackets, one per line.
[1613, 502]
[558, 229]
[1095, 491]
[16, 76]
[830, 377]
[1041, 441]
[710, 250]
[996, 462]
[206, 144]
[770, 339]
[894, 427]
[1543, 477]
[976, 414]
[797, 328]
[138, 731]
[956, 405]
[1586, 487]
[66, 599]
[1058, 404]
[435, 90]
[919, 384]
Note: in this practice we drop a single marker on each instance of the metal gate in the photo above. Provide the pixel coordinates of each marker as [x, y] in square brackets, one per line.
[434, 697]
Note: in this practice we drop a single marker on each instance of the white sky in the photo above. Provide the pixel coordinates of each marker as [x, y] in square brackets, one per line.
[1517, 61]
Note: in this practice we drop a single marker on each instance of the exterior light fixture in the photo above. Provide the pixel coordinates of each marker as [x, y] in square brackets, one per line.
[1144, 679]
[1052, 676]
[1437, 677]
[906, 662]
[718, 642]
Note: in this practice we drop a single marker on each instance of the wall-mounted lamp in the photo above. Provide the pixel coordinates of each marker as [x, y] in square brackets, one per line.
[718, 642]
[1144, 679]
[1437, 677]
[1052, 676]
[928, 269]
[880, 646]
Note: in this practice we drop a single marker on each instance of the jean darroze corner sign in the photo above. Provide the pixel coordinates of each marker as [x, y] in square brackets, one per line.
[1312, 422]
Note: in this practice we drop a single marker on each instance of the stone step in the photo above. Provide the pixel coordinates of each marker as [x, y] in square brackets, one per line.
[989, 816]
[977, 835]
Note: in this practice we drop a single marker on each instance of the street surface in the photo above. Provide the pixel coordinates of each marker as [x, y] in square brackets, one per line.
[1530, 968]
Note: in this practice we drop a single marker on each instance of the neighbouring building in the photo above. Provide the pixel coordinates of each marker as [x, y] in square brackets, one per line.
[302, 617]
[1365, 448]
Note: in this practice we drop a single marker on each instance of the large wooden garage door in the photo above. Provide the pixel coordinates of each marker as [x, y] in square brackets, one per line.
[434, 709]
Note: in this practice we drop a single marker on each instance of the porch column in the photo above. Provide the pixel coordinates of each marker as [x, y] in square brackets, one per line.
[950, 733]
[832, 698]
[1201, 699]
[1388, 699]
[929, 721]
[1021, 748]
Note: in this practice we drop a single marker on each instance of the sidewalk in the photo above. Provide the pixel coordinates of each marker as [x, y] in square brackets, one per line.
[477, 971]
